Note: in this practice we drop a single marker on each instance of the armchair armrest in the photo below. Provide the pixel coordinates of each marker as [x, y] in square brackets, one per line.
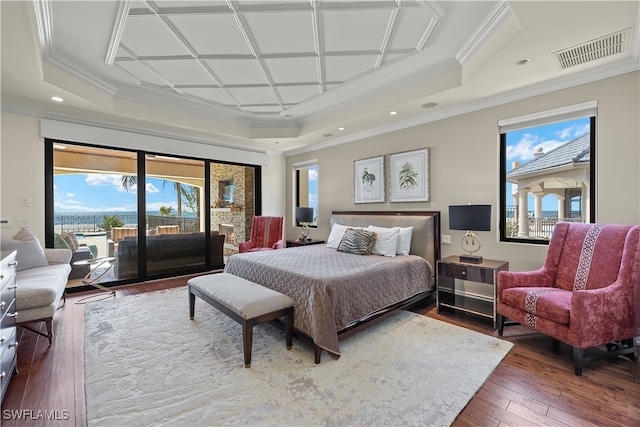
[278, 245]
[522, 279]
[604, 312]
[58, 256]
[245, 246]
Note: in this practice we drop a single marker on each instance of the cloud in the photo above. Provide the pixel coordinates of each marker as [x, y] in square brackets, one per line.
[150, 188]
[528, 145]
[102, 179]
[313, 174]
[71, 195]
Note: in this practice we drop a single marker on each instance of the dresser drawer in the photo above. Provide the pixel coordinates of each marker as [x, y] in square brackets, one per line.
[7, 272]
[7, 296]
[8, 351]
[466, 272]
[8, 319]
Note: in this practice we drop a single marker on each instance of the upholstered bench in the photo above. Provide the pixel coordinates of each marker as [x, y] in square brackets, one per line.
[245, 302]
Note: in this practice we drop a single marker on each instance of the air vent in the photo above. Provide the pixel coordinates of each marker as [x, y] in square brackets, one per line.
[595, 49]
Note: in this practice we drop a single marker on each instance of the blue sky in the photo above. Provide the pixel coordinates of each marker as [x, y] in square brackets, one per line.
[104, 192]
[522, 144]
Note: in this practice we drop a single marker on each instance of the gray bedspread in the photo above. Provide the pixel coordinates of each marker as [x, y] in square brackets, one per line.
[332, 289]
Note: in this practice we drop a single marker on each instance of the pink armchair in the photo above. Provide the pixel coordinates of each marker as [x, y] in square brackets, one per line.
[267, 232]
[586, 295]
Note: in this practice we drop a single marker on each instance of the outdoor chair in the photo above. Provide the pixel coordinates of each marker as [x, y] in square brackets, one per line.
[267, 232]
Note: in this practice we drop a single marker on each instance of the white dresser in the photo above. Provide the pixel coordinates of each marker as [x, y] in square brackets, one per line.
[8, 314]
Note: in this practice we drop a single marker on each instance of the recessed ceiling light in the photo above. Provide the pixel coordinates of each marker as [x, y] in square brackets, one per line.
[393, 113]
[57, 99]
[327, 135]
[340, 128]
[523, 61]
[429, 105]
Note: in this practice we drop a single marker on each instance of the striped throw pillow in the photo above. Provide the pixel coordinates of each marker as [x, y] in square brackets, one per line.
[358, 242]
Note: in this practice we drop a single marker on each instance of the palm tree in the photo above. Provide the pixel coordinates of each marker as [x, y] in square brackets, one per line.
[189, 192]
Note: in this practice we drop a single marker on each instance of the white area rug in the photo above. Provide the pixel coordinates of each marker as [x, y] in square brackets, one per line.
[148, 364]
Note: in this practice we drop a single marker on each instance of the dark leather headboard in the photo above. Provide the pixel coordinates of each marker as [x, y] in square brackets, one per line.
[425, 241]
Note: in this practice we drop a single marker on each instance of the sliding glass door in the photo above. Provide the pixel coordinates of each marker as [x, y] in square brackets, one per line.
[95, 211]
[175, 214]
[135, 215]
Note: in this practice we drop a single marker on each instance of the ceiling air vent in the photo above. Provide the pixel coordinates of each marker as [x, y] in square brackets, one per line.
[594, 49]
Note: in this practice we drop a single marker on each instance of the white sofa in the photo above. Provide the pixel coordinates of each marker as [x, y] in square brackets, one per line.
[41, 279]
[40, 290]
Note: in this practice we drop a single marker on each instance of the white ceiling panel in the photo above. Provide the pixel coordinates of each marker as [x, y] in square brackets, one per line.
[141, 72]
[343, 68]
[146, 36]
[297, 94]
[290, 32]
[293, 70]
[182, 72]
[237, 72]
[411, 26]
[354, 30]
[212, 34]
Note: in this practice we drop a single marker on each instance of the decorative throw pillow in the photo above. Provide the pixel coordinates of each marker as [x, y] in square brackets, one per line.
[386, 242]
[29, 253]
[358, 242]
[404, 241]
[337, 232]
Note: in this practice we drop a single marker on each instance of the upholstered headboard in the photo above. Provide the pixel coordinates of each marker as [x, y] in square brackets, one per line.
[425, 240]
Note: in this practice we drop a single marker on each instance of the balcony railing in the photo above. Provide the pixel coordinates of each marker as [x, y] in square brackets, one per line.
[92, 223]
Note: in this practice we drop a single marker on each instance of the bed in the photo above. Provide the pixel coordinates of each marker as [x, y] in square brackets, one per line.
[337, 294]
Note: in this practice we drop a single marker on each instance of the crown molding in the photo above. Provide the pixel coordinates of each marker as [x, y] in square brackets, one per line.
[498, 16]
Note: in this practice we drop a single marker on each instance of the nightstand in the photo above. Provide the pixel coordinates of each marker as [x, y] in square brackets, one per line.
[297, 242]
[469, 287]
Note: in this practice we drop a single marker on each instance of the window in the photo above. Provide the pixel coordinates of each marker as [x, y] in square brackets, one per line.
[547, 160]
[306, 188]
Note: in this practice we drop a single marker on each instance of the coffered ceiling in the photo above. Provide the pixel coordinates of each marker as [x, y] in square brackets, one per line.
[284, 76]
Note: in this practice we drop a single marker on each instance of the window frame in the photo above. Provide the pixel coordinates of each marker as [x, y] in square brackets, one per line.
[297, 168]
[583, 110]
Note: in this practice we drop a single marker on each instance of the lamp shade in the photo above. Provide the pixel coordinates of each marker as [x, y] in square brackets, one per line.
[304, 214]
[470, 217]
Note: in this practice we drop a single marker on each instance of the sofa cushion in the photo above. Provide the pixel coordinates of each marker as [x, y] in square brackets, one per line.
[41, 286]
[29, 253]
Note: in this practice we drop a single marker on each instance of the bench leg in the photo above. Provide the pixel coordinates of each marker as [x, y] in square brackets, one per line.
[289, 328]
[192, 305]
[247, 339]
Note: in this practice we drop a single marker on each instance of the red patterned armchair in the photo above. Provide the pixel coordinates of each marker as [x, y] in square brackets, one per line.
[586, 295]
[267, 232]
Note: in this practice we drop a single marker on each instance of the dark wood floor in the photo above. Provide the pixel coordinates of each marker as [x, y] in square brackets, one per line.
[532, 386]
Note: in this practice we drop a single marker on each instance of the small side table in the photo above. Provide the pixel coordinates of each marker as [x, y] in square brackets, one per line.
[98, 262]
[297, 242]
[451, 271]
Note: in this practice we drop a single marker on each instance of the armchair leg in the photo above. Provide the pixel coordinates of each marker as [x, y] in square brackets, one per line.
[578, 360]
[500, 321]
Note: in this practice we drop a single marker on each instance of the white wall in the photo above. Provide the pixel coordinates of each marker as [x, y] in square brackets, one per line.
[22, 165]
[464, 164]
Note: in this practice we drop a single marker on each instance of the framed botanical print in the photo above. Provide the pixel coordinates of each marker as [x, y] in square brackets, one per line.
[409, 176]
[368, 175]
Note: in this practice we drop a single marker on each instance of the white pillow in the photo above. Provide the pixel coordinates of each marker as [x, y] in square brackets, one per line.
[337, 232]
[29, 252]
[386, 242]
[404, 242]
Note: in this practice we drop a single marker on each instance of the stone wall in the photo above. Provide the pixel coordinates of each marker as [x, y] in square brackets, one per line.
[240, 213]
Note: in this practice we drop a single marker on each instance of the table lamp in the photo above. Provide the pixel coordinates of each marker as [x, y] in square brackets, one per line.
[304, 216]
[470, 218]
